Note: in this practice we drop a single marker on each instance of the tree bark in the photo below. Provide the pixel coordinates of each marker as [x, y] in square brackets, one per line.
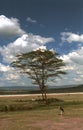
[44, 95]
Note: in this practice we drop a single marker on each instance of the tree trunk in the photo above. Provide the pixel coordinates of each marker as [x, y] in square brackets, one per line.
[44, 95]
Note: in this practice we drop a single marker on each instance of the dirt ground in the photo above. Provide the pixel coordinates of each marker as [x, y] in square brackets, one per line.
[64, 123]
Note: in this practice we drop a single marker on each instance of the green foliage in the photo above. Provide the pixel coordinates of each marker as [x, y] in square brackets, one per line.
[40, 65]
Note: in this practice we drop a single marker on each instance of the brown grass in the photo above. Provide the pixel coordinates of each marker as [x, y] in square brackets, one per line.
[48, 118]
[39, 120]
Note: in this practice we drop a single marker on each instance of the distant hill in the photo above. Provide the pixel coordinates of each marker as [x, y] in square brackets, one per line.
[33, 90]
[77, 88]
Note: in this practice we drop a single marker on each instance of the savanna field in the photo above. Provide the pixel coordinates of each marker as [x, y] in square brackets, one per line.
[31, 113]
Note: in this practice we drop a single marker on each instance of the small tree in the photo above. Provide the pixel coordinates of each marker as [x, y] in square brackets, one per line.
[40, 65]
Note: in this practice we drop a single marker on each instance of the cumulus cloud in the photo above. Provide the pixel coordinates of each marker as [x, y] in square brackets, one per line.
[71, 37]
[74, 66]
[4, 68]
[10, 27]
[30, 20]
[75, 57]
[8, 73]
[25, 43]
[11, 77]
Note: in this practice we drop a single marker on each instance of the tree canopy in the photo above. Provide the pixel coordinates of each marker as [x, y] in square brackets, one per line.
[40, 65]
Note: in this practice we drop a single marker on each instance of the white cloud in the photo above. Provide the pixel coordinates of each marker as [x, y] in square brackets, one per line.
[10, 27]
[75, 57]
[29, 19]
[74, 66]
[73, 60]
[25, 43]
[74, 69]
[8, 73]
[71, 37]
[77, 79]
[11, 77]
[4, 68]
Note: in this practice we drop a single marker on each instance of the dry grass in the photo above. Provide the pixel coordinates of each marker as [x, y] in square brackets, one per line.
[45, 118]
[39, 120]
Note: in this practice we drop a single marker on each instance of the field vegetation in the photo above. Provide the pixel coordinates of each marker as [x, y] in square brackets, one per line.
[31, 113]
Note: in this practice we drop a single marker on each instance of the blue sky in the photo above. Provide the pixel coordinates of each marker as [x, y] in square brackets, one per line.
[29, 24]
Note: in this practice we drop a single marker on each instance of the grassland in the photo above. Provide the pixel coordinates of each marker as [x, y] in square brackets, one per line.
[24, 113]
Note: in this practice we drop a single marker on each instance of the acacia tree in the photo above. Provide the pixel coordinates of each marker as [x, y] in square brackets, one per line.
[40, 65]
